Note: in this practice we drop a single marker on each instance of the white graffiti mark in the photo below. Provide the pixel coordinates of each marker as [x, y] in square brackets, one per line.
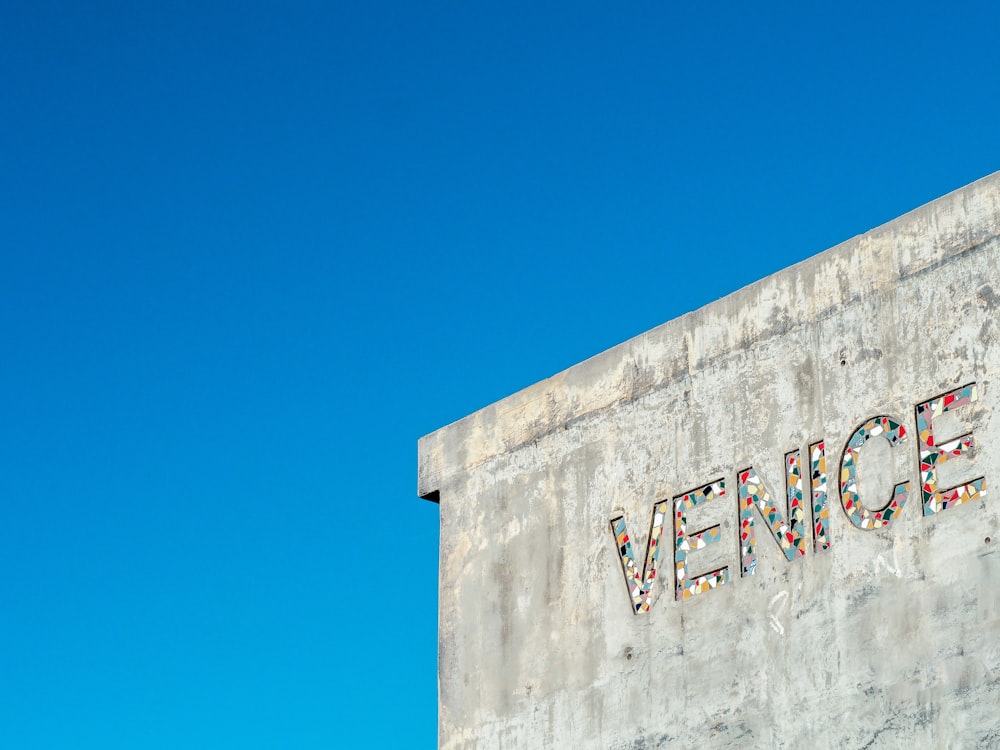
[880, 561]
[778, 603]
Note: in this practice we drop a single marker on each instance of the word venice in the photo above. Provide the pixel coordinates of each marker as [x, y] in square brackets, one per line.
[788, 527]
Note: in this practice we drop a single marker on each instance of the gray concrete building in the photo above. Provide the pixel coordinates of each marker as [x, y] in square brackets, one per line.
[771, 522]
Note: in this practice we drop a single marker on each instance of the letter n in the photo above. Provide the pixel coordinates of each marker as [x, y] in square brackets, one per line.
[788, 528]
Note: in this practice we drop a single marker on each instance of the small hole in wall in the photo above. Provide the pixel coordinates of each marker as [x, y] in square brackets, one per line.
[843, 362]
[988, 540]
[628, 654]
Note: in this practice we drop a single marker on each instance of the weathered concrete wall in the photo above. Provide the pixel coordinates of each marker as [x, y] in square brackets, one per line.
[889, 637]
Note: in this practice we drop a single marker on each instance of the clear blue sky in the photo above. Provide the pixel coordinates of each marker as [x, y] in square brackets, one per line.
[250, 253]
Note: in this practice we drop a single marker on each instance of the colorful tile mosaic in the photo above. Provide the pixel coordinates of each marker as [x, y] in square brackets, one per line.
[686, 586]
[788, 529]
[932, 456]
[640, 584]
[861, 516]
[820, 508]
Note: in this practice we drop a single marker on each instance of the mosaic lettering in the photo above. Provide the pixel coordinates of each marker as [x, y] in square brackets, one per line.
[640, 584]
[933, 455]
[821, 512]
[787, 524]
[859, 515]
[787, 529]
[688, 586]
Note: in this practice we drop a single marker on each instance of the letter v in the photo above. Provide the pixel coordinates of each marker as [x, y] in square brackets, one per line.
[640, 584]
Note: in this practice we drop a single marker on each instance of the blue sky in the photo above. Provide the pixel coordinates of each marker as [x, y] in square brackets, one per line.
[250, 253]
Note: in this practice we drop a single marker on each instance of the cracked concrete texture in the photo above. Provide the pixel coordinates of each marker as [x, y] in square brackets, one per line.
[891, 637]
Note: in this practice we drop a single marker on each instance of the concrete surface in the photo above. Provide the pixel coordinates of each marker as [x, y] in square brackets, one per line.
[890, 637]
